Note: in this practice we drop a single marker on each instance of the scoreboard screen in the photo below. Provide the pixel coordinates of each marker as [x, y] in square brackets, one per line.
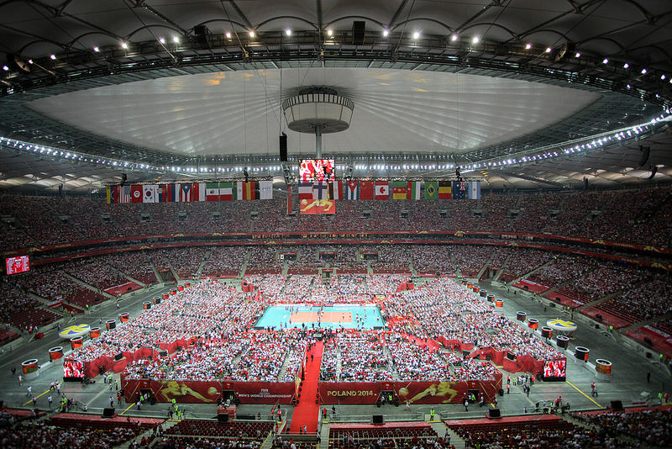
[16, 265]
[317, 170]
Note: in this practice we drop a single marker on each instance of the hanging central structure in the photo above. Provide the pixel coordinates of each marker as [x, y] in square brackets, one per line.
[318, 110]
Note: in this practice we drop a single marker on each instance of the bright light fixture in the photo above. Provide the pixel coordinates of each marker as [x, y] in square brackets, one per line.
[330, 32]
[228, 35]
[288, 32]
[605, 61]
[5, 68]
[416, 35]
[176, 39]
[528, 46]
[162, 40]
[577, 55]
[475, 40]
[548, 49]
[52, 57]
[643, 72]
[386, 32]
[626, 66]
[454, 37]
[124, 45]
[96, 49]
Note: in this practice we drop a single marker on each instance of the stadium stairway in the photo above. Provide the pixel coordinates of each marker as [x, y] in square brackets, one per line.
[121, 273]
[441, 430]
[87, 286]
[205, 260]
[530, 273]
[306, 412]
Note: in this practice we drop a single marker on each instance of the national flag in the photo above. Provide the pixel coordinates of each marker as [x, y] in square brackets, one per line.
[265, 190]
[185, 193]
[167, 193]
[320, 191]
[136, 193]
[198, 191]
[305, 190]
[400, 190]
[366, 190]
[459, 190]
[227, 192]
[431, 190]
[474, 190]
[250, 190]
[212, 191]
[336, 190]
[352, 190]
[416, 190]
[124, 194]
[382, 190]
[445, 190]
[150, 193]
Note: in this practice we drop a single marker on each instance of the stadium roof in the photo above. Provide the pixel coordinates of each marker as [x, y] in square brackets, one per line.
[519, 92]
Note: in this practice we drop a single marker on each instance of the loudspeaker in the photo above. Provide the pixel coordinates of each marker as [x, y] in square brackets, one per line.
[201, 32]
[108, 412]
[283, 147]
[494, 413]
[223, 417]
[358, 31]
[646, 151]
[377, 419]
[617, 405]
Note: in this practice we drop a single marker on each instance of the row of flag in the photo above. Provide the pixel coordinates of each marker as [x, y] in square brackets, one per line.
[190, 192]
[385, 190]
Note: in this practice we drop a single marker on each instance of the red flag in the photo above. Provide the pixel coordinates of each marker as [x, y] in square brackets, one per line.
[136, 193]
[366, 190]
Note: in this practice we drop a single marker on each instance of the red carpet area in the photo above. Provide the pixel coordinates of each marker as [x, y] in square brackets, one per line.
[308, 408]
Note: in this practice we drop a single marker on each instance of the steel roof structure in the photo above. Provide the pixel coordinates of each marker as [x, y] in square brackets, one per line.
[611, 58]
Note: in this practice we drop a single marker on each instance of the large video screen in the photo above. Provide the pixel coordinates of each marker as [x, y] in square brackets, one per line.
[316, 170]
[73, 369]
[16, 265]
[317, 207]
[555, 369]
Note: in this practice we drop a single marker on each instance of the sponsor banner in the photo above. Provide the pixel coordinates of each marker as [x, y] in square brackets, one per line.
[208, 392]
[413, 392]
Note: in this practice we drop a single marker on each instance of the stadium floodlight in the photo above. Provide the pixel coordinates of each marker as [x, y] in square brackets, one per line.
[386, 32]
[416, 35]
[288, 32]
[528, 46]
[96, 49]
[605, 61]
[577, 55]
[52, 57]
[626, 66]
[176, 39]
[476, 39]
[454, 37]
[643, 72]
[228, 35]
[124, 45]
[162, 40]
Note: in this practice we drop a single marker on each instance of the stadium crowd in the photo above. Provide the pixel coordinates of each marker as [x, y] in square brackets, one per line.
[608, 215]
[213, 323]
